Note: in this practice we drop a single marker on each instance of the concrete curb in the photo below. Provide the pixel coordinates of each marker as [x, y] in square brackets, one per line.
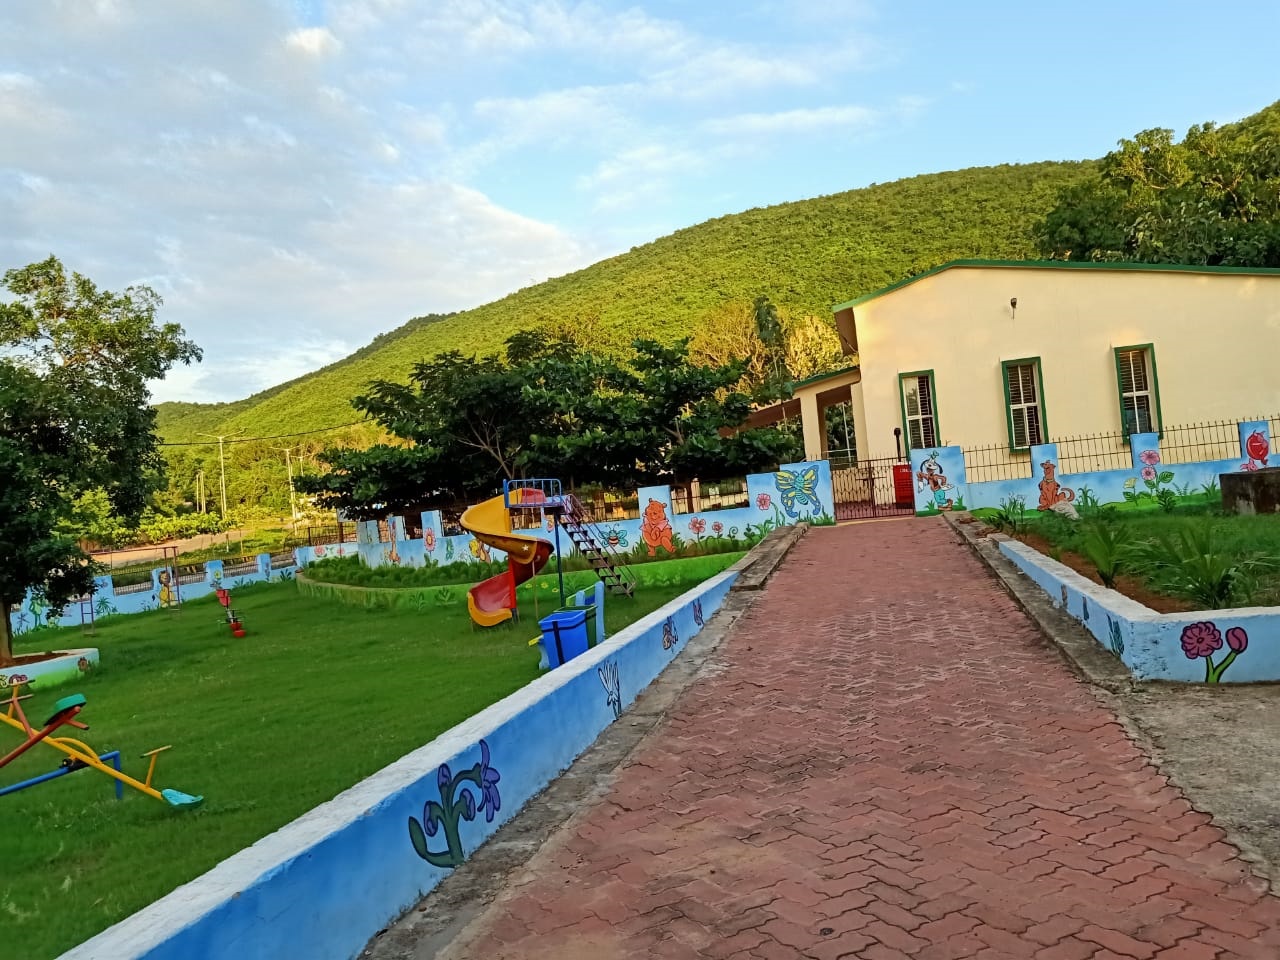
[1078, 647]
[441, 918]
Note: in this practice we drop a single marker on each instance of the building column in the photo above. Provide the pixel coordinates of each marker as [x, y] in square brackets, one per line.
[812, 424]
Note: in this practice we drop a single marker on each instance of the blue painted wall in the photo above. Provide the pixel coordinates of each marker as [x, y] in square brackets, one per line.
[323, 885]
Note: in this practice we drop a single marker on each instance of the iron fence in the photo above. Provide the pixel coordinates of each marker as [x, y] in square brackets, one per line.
[714, 495]
[996, 462]
[1198, 442]
[1094, 452]
[239, 566]
[608, 506]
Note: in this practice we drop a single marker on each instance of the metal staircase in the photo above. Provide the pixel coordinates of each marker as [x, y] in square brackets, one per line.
[591, 543]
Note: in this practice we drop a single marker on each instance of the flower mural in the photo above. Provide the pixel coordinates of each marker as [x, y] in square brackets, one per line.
[698, 526]
[1152, 477]
[717, 528]
[456, 804]
[1204, 639]
[669, 636]
[429, 539]
[608, 674]
[763, 501]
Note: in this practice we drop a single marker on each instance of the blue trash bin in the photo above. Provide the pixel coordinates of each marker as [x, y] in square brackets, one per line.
[564, 636]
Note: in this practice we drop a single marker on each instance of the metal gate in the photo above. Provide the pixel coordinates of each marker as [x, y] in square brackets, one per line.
[867, 488]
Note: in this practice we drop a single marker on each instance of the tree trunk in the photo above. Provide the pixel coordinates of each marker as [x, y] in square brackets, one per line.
[6, 637]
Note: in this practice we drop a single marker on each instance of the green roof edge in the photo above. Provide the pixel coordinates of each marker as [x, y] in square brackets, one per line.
[1055, 265]
[818, 377]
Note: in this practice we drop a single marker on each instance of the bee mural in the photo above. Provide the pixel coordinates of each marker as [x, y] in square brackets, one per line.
[616, 538]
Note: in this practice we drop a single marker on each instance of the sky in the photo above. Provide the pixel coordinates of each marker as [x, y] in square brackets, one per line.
[296, 177]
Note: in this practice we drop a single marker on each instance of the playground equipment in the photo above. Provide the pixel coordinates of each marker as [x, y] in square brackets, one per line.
[78, 754]
[493, 601]
[233, 618]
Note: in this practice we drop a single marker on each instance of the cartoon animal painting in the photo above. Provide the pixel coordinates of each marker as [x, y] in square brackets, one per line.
[930, 475]
[656, 528]
[165, 596]
[1257, 448]
[1051, 492]
[480, 551]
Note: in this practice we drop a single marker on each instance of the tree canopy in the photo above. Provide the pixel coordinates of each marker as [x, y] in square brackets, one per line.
[1211, 199]
[74, 419]
[548, 408]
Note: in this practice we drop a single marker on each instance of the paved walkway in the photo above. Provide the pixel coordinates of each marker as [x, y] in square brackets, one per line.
[884, 761]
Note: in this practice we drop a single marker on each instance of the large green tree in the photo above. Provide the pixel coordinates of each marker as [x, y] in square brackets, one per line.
[1212, 199]
[550, 409]
[75, 417]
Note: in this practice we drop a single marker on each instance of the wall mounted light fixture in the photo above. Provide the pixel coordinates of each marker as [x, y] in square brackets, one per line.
[1013, 307]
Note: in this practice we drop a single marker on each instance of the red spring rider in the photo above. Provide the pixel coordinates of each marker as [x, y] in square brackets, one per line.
[233, 618]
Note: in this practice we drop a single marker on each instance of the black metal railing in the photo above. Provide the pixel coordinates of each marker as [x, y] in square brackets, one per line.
[996, 462]
[715, 495]
[1197, 442]
[1095, 452]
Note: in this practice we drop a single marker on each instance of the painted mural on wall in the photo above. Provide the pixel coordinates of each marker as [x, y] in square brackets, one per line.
[1203, 639]
[940, 480]
[655, 528]
[457, 803]
[1052, 493]
[608, 673]
[1255, 442]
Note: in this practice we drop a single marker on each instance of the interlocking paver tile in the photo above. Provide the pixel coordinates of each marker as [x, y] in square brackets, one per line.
[886, 761]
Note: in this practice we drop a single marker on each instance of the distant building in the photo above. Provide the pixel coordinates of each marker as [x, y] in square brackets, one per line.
[976, 353]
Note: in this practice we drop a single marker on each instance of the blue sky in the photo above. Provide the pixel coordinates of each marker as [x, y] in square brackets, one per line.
[296, 177]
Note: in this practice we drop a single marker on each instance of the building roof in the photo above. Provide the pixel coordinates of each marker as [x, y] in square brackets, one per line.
[818, 378]
[1056, 265]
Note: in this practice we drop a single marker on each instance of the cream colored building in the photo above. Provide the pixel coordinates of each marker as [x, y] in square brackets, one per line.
[975, 353]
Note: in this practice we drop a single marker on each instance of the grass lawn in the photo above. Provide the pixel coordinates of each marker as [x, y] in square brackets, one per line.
[317, 697]
[1232, 538]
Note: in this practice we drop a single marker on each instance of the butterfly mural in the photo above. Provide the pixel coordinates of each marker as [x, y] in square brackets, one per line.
[797, 488]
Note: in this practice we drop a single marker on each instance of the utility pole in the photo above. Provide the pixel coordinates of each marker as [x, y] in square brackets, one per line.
[222, 467]
[293, 500]
[200, 498]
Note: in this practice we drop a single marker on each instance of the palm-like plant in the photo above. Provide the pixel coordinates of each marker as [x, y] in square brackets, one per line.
[1198, 565]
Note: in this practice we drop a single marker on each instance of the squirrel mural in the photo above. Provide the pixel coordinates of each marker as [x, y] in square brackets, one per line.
[656, 528]
[1050, 492]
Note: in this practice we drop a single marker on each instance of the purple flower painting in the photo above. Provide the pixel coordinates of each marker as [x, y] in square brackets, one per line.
[1204, 639]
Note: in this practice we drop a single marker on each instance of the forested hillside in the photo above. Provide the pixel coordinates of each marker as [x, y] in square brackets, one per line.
[804, 255]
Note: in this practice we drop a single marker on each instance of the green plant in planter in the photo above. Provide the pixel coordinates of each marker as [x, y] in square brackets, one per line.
[1199, 566]
[1107, 546]
[1167, 499]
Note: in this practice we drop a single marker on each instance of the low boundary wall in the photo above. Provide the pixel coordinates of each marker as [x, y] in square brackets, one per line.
[321, 886]
[1204, 646]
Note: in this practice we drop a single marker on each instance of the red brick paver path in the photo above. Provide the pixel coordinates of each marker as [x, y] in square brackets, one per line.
[886, 761]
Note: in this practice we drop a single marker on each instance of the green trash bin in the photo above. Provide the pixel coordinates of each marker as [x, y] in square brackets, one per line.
[590, 611]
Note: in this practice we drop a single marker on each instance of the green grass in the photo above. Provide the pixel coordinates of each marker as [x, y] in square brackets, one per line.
[319, 696]
[1232, 537]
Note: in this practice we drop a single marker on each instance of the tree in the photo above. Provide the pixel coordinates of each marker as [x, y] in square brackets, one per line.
[549, 409]
[74, 418]
[1213, 199]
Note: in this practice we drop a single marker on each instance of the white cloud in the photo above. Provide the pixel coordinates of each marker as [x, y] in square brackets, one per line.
[804, 120]
[313, 41]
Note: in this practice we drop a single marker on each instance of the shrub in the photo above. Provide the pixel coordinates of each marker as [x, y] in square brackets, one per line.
[1198, 565]
[1106, 546]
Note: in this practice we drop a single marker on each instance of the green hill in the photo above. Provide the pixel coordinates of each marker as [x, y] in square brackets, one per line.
[804, 255]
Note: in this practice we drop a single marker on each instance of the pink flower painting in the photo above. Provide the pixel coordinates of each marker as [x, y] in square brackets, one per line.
[698, 526]
[1150, 457]
[429, 539]
[763, 501]
[1149, 474]
[1204, 639]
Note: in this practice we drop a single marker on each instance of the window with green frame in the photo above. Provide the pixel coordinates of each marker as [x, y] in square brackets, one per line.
[1139, 389]
[919, 409]
[1024, 402]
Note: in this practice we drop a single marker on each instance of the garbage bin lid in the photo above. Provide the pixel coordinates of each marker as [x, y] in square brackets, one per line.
[563, 619]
